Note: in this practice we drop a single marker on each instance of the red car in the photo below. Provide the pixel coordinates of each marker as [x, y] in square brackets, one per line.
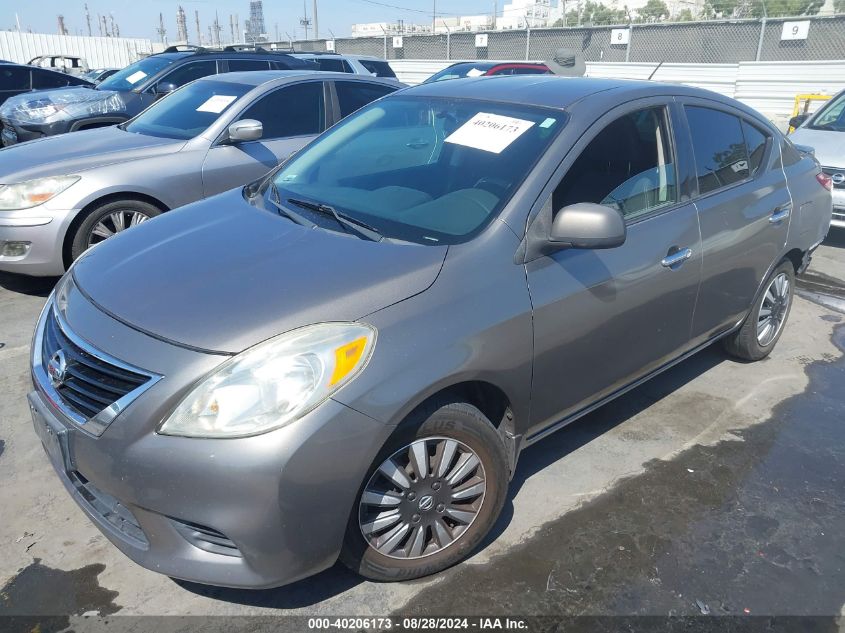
[486, 68]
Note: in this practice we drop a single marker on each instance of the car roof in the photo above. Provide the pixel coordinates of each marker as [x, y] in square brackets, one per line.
[553, 91]
[260, 77]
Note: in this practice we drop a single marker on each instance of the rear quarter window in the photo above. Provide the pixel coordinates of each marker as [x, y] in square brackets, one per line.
[378, 68]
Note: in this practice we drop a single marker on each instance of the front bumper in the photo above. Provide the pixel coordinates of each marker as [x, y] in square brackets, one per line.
[44, 231]
[838, 218]
[12, 133]
[250, 512]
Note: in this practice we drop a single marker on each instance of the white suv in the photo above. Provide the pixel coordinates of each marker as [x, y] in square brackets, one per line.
[357, 64]
[824, 131]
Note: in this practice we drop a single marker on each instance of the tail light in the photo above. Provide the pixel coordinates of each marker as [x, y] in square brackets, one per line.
[825, 180]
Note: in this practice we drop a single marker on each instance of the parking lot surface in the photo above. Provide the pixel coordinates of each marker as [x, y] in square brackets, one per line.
[714, 489]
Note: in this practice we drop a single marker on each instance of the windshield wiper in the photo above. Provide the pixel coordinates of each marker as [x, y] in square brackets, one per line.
[288, 213]
[363, 229]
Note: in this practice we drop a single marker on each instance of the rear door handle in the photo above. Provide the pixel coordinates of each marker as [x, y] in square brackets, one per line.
[780, 214]
[674, 260]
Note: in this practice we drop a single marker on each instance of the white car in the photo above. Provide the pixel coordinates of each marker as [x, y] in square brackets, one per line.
[824, 131]
[357, 64]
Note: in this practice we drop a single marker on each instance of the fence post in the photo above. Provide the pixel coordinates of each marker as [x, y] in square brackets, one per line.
[628, 45]
[385, 46]
[527, 42]
[760, 41]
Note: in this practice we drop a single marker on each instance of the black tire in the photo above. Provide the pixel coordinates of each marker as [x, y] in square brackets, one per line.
[82, 235]
[745, 343]
[452, 421]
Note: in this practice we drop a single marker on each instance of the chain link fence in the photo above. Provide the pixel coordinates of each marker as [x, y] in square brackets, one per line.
[712, 41]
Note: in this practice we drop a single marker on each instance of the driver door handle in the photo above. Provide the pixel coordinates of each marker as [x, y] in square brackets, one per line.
[674, 260]
[780, 214]
[416, 144]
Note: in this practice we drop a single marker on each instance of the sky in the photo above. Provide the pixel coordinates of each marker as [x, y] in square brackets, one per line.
[140, 18]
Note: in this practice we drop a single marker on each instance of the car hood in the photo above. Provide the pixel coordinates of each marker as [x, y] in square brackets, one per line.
[829, 146]
[221, 275]
[78, 151]
[60, 104]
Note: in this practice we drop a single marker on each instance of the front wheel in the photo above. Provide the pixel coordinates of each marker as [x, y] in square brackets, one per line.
[431, 496]
[762, 328]
[108, 219]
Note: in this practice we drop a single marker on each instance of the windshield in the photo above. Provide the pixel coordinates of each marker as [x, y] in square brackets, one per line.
[831, 116]
[132, 76]
[459, 71]
[188, 111]
[431, 171]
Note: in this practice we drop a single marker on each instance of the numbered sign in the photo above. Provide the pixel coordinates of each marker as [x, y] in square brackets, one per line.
[481, 40]
[397, 42]
[795, 30]
[620, 37]
[330, 46]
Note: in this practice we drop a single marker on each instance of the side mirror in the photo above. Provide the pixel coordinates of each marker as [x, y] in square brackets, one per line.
[588, 225]
[164, 87]
[805, 149]
[245, 130]
[796, 121]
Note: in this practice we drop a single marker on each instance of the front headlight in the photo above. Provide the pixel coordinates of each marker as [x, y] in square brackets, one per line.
[25, 195]
[273, 383]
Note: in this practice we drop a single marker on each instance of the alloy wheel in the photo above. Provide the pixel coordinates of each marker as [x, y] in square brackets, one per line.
[422, 498]
[773, 310]
[113, 223]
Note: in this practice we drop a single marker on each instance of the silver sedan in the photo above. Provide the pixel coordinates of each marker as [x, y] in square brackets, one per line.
[62, 194]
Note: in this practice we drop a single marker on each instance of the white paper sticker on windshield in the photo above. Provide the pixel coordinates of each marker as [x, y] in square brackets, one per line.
[216, 104]
[136, 77]
[489, 132]
[475, 73]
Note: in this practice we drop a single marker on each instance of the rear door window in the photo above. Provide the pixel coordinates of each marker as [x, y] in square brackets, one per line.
[334, 65]
[43, 79]
[297, 110]
[238, 65]
[755, 143]
[189, 72]
[13, 78]
[354, 95]
[721, 156]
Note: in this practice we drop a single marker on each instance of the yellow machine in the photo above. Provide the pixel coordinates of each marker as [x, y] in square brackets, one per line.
[802, 105]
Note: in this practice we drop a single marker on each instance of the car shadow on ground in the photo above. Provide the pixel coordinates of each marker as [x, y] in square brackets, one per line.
[33, 286]
[338, 579]
[836, 238]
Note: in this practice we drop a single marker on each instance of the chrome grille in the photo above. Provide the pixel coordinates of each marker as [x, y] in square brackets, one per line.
[91, 384]
[87, 385]
[833, 172]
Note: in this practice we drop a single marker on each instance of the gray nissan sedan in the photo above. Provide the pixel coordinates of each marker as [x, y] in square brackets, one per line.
[346, 358]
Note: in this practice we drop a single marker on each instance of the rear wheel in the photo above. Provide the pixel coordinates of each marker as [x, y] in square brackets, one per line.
[108, 219]
[431, 496]
[762, 328]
